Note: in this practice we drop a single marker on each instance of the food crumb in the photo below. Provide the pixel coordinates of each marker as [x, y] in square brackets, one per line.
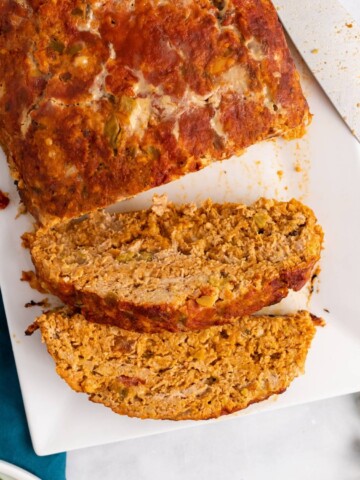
[312, 282]
[26, 240]
[32, 279]
[4, 200]
[31, 328]
[43, 303]
[297, 168]
[21, 210]
[280, 174]
[320, 322]
[15, 338]
[159, 204]
[326, 310]
[349, 25]
[315, 51]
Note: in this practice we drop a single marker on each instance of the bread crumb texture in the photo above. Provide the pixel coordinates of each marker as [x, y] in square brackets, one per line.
[179, 376]
[179, 267]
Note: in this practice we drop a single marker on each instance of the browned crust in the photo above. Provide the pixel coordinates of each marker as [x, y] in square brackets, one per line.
[150, 318]
[72, 150]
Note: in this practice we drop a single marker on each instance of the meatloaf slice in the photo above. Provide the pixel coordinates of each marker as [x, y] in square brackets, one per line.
[178, 376]
[179, 267]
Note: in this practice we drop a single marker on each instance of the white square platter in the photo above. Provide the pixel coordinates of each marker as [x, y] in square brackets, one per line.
[323, 170]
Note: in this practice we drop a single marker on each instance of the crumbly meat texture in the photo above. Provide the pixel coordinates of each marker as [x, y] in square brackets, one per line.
[105, 99]
[179, 267]
[179, 376]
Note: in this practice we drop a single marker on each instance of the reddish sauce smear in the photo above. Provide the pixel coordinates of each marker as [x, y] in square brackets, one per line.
[4, 200]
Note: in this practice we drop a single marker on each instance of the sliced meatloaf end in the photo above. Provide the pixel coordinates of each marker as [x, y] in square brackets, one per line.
[179, 376]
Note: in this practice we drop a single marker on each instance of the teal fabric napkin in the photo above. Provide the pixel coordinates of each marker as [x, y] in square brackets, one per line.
[15, 443]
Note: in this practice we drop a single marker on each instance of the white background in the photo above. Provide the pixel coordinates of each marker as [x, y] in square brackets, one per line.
[315, 441]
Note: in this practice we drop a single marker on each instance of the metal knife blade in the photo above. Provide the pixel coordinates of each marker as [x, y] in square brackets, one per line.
[328, 39]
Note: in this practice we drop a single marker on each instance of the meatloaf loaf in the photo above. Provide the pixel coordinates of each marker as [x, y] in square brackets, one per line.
[101, 100]
[179, 267]
[179, 376]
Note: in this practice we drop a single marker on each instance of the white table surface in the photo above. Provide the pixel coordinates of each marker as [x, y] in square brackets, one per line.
[315, 441]
[318, 441]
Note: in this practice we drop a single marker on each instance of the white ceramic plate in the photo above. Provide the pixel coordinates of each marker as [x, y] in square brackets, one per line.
[329, 181]
[11, 472]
